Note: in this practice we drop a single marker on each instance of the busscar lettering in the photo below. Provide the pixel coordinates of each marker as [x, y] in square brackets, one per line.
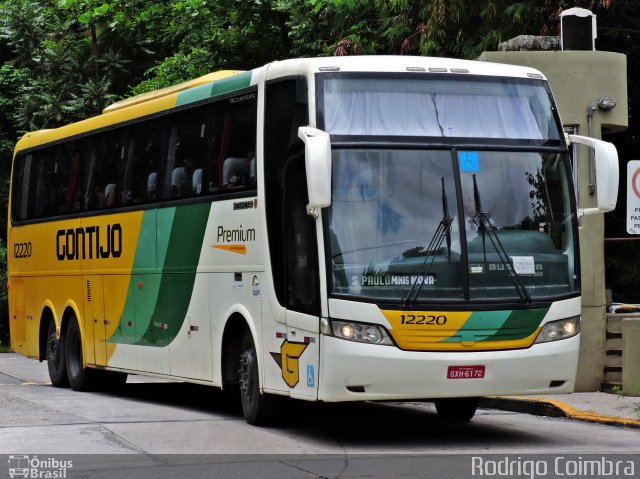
[235, 235]
[89, 243]
[238, 99]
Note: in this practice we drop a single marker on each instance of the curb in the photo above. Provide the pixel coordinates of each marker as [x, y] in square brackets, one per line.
[553, 408]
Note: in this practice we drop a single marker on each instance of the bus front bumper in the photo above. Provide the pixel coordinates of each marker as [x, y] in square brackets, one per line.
[353, 371]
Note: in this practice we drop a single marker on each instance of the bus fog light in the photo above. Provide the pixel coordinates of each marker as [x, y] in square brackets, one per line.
[556, 330]
[360, 332]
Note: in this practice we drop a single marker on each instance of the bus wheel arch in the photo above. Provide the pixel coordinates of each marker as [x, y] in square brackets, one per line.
[241, 371]
[234, 332]
[46, 318]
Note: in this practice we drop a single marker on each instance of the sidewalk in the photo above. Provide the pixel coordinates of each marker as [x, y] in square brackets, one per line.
[598, 407]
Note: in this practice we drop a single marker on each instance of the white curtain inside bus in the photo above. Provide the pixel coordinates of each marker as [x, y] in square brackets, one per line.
[439, 115]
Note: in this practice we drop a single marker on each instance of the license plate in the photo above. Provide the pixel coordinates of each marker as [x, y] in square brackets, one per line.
[465, 372]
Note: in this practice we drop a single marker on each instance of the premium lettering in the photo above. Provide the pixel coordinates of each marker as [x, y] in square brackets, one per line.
[89, 243]
[235, 235]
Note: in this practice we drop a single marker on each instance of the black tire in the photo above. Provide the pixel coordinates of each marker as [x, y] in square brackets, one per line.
[56, 362]
[457, 409]
[257, 408]
[80, 378]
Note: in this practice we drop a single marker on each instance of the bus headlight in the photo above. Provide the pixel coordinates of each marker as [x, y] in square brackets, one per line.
[563, 329]
[356, 331]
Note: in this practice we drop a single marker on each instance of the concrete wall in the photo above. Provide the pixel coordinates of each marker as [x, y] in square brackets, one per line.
[631, 355]
[578, 79]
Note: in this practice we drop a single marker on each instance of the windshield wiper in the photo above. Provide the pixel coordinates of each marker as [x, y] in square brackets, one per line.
[484, 226]
[442, 232]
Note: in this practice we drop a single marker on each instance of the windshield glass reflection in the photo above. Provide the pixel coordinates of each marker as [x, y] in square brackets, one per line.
[395, 225]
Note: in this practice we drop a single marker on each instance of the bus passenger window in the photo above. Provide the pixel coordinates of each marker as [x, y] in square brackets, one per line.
[184, 154]
[234, 139]
[141, 165]
[74, 189]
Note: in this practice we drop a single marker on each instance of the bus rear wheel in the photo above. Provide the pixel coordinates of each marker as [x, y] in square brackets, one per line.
[56, 362]
[256, 407]
[457, 409]
[80, 377]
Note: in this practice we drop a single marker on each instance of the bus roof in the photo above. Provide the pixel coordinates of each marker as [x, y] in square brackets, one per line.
[399, 63]
[228, 80]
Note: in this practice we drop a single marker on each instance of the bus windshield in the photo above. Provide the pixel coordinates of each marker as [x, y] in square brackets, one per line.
[402, 224]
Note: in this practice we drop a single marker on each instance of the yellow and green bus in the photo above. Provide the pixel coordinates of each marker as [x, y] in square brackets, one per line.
[332, 229]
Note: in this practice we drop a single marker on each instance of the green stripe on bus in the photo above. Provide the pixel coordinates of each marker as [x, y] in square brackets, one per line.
[520, 324]
[163, 228]
[178, 274]
[218, 87]
[140, 301]
[481, 324]
[145, 258]
[170, 239]
[499, 325]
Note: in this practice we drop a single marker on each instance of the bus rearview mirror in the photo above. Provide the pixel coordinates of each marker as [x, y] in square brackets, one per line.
[607, 173]
[317, 148]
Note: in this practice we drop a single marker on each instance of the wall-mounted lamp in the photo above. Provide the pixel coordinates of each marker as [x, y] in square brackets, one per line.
[606, 104]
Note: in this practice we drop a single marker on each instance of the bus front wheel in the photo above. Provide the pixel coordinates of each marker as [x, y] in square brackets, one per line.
[457, 409]
[56, 362]
[256, 407]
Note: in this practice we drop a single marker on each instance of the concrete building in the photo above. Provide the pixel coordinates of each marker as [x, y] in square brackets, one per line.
[579, 79]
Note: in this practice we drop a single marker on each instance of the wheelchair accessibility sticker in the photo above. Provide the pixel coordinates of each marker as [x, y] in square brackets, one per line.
[311, 376]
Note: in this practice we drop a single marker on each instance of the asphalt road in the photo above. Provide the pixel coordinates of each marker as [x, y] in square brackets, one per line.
[150, 419]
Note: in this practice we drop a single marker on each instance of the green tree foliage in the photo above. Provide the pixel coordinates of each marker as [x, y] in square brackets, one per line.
[217, 35]
[456, 28]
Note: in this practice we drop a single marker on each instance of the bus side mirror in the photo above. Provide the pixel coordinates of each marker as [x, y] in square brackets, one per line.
[317, 149]
[607, 173]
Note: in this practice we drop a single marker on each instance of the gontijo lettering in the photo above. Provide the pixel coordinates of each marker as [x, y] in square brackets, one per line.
[89, 243]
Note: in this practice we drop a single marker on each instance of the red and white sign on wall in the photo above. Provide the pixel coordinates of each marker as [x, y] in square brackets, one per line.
[633, 197]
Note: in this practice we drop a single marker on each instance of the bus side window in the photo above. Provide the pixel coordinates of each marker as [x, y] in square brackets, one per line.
[142, 145]
[46, 198]
[232, 158]
[184, 153]
[21, 184]
[73, 165]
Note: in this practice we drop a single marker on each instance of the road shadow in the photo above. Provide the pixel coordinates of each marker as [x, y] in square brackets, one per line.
[366, 424]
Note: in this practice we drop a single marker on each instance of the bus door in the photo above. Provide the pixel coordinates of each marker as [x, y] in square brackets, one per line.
[300, 359]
